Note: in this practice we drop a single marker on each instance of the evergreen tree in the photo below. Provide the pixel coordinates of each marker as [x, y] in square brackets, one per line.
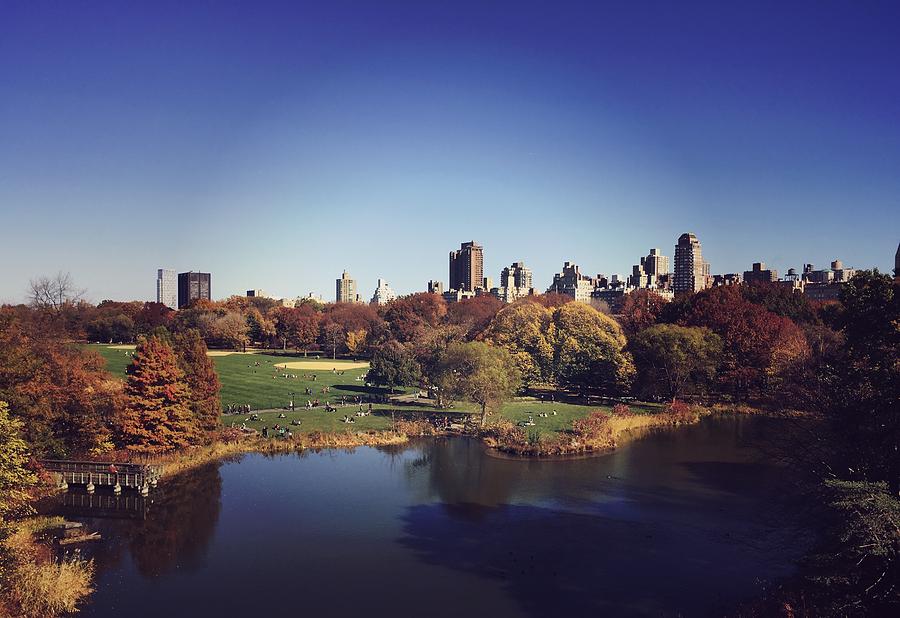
[202, 380]
[157, 416]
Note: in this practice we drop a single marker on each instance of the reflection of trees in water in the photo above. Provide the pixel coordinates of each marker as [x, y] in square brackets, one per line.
[456, 471]
[181, 522]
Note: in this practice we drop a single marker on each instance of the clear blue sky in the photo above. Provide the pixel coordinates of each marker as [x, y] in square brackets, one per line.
[275, 144]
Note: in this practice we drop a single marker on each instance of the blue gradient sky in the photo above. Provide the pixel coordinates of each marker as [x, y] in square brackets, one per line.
[275, 144]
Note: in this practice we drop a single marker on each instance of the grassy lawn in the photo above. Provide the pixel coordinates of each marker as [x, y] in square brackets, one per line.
[243, 382]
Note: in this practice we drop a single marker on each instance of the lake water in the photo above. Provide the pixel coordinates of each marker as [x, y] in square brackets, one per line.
[687, 522]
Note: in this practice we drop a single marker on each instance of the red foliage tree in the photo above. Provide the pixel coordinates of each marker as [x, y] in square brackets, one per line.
[409, 317]
[757, 343]
[157, 415]
[64, 395]
[473, 314]
[201, 378]
[640, 309]
[297, 327]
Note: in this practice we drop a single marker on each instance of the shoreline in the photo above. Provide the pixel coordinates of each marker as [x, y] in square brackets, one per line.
[505, 443]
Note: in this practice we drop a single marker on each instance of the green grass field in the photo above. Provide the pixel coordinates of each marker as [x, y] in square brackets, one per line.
[243, 382]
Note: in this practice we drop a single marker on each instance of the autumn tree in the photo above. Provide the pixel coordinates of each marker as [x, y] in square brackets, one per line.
[297, 327]
[261, 327]
[429, 349]
[64, 395]
[152, 316]
[675, 360]
[473, 314]
[393, 365]
[640, 309]
[333, 337]
[410, 316]
[551, 300]
[478, 372]
[525, 330]
[157, 417]
[356, 342]
[758, 346]
[589, 350]
[231, 330]
[15, 477]
[201, 378]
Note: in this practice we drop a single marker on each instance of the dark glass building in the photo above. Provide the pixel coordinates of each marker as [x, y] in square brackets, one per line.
[193, 286]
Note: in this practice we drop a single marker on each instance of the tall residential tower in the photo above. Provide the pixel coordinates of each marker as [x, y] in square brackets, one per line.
[467, 267]
[167, 288]
[345, 289]
[691, 272]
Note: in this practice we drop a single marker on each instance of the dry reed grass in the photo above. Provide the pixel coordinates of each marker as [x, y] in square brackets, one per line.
[38, 585]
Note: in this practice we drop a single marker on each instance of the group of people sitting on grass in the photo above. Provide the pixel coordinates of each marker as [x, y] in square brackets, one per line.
[234, 408]
[529, 422]
[279, 432]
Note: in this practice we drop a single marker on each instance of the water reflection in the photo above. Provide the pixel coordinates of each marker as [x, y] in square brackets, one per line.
[684, 521]
[178, 521]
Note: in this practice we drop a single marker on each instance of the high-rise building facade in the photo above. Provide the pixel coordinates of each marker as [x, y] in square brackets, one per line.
[383, 293]
[435, 287]
[167, 288]
[651, 272]
[570, 282]
[515, 283]
[345, 289]
[193, 286]
[467, 267]
[691, 272]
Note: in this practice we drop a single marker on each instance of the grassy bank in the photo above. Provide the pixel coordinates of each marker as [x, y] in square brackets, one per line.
[599, 431]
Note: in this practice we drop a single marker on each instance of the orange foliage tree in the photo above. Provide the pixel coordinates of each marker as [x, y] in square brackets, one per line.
[200, 377]
[157, 417]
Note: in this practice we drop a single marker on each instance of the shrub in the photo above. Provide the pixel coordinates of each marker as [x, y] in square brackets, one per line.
[620, 409]
[679, 411]
[592, 426]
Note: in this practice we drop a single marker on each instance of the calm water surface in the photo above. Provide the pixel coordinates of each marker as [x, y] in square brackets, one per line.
[683, 522]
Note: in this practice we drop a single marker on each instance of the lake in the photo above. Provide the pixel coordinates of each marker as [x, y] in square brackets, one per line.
[688, 521]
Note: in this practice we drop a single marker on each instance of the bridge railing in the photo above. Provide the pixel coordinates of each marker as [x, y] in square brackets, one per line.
[113, 474]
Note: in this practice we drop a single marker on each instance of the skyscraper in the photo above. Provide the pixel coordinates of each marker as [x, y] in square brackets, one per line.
[193, 286]
[345, 289]
[167, 288]
[467, 267]
[691, 272]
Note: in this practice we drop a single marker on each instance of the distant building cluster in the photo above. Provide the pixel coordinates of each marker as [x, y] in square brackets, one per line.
[687, 274]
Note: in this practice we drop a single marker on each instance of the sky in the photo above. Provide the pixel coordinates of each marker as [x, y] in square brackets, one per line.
[277, 144]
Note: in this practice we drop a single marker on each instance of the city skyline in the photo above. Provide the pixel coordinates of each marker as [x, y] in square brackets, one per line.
[582, 133]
